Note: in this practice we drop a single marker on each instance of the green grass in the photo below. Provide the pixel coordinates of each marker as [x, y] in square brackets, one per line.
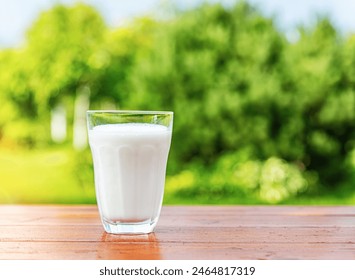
[41, 176]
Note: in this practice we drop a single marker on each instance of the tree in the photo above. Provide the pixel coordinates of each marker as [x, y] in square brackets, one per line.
[218, 69]
[18, 106]
[325, 100]
[236, 84]
[124, 47]
[64, 50]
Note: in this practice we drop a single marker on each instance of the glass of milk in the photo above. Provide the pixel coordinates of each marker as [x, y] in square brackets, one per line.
[130, 152]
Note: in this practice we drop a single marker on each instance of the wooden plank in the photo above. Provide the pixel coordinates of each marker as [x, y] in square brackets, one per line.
[48, 215]
[192, 215]
[191, 232]
[181, 235]
[173, 251]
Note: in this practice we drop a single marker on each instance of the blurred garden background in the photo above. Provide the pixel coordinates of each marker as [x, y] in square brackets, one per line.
[261, 117]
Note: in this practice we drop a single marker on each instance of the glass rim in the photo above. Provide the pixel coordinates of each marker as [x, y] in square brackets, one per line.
[139, 112]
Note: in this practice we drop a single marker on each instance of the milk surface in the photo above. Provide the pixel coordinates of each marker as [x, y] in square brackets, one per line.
[130, 164]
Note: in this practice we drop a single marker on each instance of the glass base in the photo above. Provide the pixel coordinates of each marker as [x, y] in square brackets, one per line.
[129, 228]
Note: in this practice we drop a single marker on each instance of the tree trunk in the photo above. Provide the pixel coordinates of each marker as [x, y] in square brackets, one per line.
[81, 105]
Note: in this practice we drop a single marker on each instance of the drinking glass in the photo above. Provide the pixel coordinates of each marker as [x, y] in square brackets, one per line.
[130, 152]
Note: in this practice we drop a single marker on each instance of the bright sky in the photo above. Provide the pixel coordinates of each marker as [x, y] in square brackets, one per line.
[17, 15]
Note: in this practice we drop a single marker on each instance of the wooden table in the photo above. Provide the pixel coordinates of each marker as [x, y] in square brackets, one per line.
[183, 232]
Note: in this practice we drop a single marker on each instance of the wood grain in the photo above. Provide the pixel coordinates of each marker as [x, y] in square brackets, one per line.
[183, 232]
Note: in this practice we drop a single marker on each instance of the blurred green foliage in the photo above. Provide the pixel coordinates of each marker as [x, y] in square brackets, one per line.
[258, 119]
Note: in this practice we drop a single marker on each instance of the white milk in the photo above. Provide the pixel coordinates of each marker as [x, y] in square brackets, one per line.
[130, 164]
